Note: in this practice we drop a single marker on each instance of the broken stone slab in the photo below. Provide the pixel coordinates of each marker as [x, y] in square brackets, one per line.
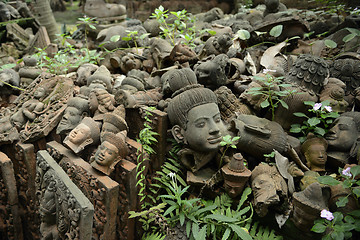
[18, 35]
[159, 125]
[8, 176]
[101, 190]
[64, 209]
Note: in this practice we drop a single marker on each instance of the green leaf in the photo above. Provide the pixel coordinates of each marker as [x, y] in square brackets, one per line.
[318, 228]
[300, 114]
[309, 103]
[226, 234]
[319, 131]
[182, 218]
[202, 233]
[264, 104]
[92, 26]
[342, 201]
[313, 121]
[355, 170]
[276, 31]
[243, 34]
[221, 218]
[188, 228]
[170, 209]
[349, 37]
[330, 43]
[338, 235]
[328, 180]
[284, 104]
[355, 213]
[295, 129]
[115, 38]
[241, 232]
[356, 191]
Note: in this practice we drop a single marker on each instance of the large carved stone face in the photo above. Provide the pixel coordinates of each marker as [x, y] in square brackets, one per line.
[71, 118]
[106, 154]
[79, 134]
[316, 157]
[204, 128]
[264, 189]
[342, 135]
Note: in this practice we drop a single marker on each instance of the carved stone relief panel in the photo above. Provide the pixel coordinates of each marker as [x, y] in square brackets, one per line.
[10, 221]
[66, 213]
[101, 190]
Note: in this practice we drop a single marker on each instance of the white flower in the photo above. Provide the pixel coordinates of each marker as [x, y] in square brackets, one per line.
[326, 214]
[328, 108]
[265, 71]
[317, 106]
[346, 172]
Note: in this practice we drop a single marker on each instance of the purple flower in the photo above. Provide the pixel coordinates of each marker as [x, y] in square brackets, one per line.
[346, 172]
[317, 106]
[328, 108]
[326, 214]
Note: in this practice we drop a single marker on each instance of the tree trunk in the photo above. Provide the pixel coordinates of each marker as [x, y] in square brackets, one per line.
[45, 16]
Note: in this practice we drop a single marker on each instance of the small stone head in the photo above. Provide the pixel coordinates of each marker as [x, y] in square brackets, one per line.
[84, 134]
[344, 133]
[196, 119]
[314, 150]
[77, 108]
[110, 152]
[268, 187]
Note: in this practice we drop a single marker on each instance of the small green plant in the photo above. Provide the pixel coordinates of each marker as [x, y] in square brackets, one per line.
[146, 139]
[177, 26]
[336, 225]
[318, 123]
[87, 22]
[134, 36]
[228, 142]
[272, 91]
[203, 219]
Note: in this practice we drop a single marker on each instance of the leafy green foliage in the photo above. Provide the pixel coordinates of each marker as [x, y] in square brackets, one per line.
[318, 123]
[341, 227]
[146, 139]
[273, 96]
[228, 142]
[259, 232]
[276, 31]
[179, 25]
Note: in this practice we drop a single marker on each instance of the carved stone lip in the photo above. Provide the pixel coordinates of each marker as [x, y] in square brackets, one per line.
[214, 140]
[330, 137]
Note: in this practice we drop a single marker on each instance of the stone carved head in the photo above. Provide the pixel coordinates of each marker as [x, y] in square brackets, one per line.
[77, 108]
[196, 119]
[344, 136]
[112, 149]
[314, 150]
[268, 186]
[84, 134]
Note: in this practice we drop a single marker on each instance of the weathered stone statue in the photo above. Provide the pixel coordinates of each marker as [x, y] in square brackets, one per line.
[84, 134]
[307, 206]
[31, 108]
[268, 186]
[307, 76]
[77, 108]
[334, 92]
[236, 175]
[343, 138]
[314, 150]
[212, 72]
[112, 149]
[197, 123]
[114, 122]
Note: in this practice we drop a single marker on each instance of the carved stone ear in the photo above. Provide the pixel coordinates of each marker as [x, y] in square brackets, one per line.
[177, 133]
